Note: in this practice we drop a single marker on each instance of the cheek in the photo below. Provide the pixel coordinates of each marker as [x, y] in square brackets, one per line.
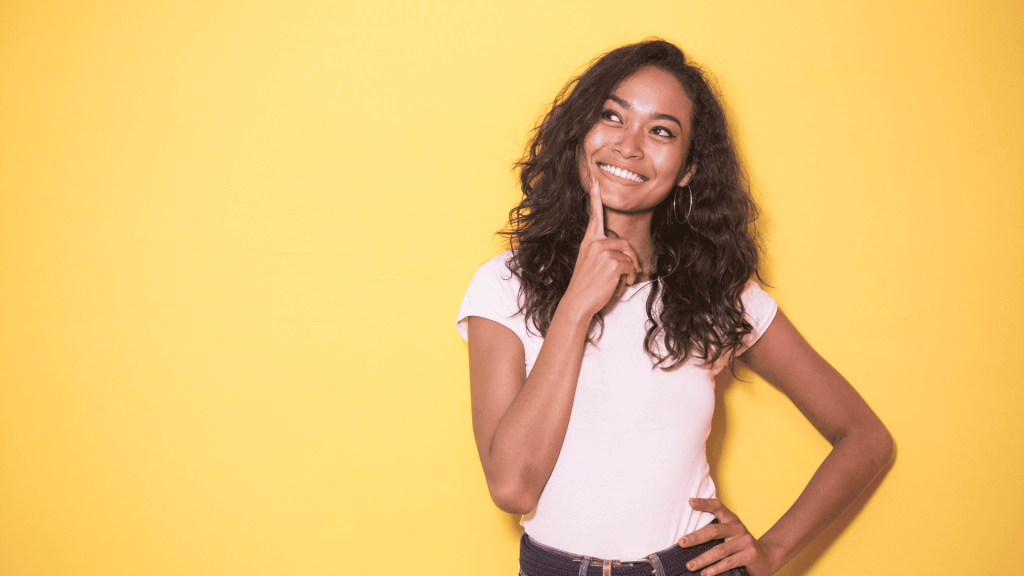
[596, 139]
[591, 144]
[671, 164]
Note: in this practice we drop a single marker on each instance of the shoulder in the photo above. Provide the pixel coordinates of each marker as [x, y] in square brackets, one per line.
[759, 308]
[497, 268]
[756, 300]
[493, 293]
[496, 276]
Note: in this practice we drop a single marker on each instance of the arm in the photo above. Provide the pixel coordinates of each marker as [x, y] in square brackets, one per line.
[861, 448]
[518, 422]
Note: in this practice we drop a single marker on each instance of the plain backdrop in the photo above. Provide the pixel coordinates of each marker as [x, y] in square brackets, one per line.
[234, 237]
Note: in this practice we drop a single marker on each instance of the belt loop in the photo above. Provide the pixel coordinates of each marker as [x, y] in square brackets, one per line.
[606, 568]
[584, 566]
[659, 570]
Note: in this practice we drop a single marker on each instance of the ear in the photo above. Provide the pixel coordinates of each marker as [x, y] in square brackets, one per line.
[686, 177]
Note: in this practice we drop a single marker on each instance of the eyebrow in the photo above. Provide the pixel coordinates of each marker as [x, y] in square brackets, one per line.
[654, 116]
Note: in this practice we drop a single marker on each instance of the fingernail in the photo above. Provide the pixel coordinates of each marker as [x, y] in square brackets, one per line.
[691, 565]
[682, 540]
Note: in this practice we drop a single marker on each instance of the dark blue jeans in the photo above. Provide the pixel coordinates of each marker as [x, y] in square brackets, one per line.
[536, 559]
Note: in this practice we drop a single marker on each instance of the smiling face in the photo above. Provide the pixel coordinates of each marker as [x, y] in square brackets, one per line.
[637, 148]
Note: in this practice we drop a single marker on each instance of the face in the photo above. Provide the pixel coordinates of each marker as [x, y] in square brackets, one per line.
[637, 148]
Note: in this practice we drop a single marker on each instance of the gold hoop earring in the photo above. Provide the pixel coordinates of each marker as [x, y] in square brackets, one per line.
[675, 202]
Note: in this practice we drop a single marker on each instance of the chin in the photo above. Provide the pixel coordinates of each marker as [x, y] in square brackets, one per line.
[628, 209]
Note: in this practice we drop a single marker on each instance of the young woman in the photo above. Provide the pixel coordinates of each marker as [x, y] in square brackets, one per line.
[594, 342]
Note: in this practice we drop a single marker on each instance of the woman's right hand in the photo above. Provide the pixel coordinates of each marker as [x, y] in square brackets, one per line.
[604, 265]
[520, 421]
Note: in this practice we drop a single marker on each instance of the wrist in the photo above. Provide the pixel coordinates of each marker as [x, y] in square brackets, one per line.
[571, 313]
[776, 556]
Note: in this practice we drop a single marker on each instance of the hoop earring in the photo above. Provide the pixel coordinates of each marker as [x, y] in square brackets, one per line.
[675, 202]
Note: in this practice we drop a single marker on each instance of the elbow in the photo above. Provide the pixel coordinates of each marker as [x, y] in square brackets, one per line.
[872, 443]
[880, 446]
[512, 497]
[886, 447]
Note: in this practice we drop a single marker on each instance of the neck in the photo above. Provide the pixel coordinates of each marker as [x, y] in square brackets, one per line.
[636, 228]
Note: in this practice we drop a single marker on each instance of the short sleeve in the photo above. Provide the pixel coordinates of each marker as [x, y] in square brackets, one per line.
[493, 293]
[759, 309]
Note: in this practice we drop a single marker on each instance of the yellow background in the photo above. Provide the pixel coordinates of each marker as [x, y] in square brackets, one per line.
[234, 237]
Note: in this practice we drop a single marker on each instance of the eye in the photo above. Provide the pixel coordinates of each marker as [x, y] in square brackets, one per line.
[662, 131]
[611, 115]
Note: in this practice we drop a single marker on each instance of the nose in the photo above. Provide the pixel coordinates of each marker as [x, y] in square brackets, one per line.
[628, 144]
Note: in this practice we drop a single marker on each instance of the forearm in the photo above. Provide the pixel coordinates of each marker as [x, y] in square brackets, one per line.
[854, 461]
[529, 436]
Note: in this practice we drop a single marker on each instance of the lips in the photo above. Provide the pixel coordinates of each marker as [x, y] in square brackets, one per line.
[622, 173]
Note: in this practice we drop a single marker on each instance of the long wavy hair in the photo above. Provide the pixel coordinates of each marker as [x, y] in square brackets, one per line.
[704, 255]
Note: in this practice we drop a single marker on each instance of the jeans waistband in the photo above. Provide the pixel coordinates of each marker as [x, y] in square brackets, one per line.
[536, 559]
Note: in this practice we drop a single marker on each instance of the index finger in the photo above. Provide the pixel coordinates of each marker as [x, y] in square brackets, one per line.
[595, 228]
[712, 505]
[702, 535]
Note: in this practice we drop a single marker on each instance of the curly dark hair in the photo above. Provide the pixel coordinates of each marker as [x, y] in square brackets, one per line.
[702, 261]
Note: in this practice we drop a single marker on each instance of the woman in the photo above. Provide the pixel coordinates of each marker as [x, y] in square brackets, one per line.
[594, 342]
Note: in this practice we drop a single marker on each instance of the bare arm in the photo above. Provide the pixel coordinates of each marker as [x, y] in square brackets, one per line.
[861, 448]
[518, 422]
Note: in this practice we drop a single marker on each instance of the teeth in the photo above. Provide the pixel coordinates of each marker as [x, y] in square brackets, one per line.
[622, 173]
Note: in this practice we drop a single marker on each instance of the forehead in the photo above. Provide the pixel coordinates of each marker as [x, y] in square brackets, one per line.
[653, 90]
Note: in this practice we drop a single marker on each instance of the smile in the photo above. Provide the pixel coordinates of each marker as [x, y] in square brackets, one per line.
[622, 173]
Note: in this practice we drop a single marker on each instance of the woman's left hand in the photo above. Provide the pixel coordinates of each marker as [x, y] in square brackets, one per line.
[739, 549]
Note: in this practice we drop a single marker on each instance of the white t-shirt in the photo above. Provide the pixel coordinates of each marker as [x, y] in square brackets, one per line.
[634, 450]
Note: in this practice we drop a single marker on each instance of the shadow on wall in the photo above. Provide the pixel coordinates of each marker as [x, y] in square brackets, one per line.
[810, 555]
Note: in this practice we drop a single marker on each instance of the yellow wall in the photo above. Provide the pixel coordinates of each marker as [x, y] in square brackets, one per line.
[234, 236]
